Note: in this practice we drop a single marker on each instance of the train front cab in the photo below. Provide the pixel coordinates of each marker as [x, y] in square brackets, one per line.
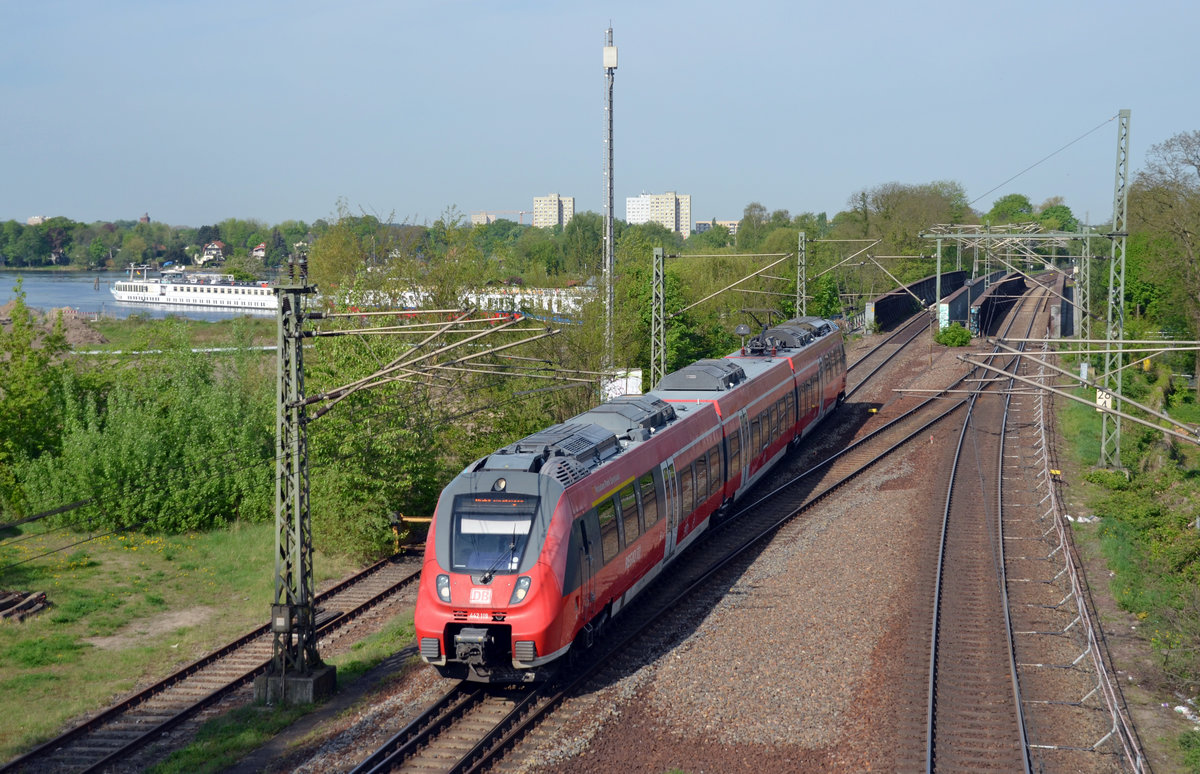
[488, 604]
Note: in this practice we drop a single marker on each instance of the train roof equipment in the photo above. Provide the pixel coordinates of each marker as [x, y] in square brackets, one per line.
[570, 450]
[709, 374]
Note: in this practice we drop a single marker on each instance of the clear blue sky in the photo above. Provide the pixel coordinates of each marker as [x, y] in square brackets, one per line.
[195, 111]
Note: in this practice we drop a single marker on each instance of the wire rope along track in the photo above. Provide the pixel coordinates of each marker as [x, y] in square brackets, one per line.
[974, 718]
[1091, 704]
[417, 747]
[139, 719]
[1073, 709]
[899, 340]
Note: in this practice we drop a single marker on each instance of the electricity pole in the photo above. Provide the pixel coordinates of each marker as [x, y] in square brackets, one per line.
[297, 674]
[1110, 434]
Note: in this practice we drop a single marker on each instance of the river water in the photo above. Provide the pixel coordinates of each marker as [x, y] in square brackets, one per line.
[89, 293]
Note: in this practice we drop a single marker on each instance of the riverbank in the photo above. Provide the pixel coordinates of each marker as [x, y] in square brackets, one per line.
[138, 332]
[89, 294]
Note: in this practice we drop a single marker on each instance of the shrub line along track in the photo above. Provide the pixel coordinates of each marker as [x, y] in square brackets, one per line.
[974, 715]
[143, 717]
[448, 736]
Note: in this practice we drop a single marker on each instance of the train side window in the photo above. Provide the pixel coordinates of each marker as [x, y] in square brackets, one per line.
[772, 424]
[610, 541]
[755, 446]
[685, 491]
[629, 513]
[789, 409]
[715, 479]
[649, 500]
[735, 452]
[701, 467]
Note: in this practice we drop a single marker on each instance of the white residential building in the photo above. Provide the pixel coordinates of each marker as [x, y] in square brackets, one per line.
[670, 209]
[553, 210]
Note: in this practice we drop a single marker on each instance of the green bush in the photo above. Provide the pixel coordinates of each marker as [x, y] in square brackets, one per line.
[953, 335]
[182, 442]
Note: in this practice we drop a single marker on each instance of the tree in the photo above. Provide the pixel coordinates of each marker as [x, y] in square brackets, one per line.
[1011, 208]
[31, 248]
[1055, 215]
[133, 248]
[814, 226]
[752, 228]
[537, 250]
[30, 392]
[207, 234]
[10, 232]
[1164, 202]
[583, 244]
[897, 213]
[715, 237]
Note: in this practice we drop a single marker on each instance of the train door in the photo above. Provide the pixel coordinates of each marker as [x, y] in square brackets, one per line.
[587, 565]
[822, 386]
[747, 452]
[671, 502]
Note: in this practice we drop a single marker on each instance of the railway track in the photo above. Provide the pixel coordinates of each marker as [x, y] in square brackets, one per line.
[449, 737]
[110, 737]
[874, 360]
[974, 714]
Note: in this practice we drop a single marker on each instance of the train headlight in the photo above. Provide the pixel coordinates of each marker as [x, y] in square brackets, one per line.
[443, 588]
[521, 589]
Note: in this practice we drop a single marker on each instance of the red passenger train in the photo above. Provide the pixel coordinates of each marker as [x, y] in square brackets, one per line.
[534, 547]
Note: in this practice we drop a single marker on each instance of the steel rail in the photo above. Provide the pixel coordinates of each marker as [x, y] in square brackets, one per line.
[434, 719]
[1002, 566]
[114, 712]
[931, 700]
[895, 334]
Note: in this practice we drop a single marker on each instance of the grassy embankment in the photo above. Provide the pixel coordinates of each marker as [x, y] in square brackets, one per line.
[1149, 540]
[127, 610]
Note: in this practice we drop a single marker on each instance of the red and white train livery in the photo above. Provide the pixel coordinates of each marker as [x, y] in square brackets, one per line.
[535, 546]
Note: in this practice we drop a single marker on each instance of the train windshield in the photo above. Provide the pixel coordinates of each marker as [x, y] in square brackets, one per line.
[490, 532]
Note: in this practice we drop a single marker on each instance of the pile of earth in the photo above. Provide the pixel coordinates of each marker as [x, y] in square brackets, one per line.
[77, 329]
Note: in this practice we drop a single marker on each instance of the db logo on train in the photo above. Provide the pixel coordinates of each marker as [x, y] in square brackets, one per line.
[481, 596]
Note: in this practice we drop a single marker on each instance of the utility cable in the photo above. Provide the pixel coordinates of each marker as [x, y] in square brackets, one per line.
[1047, 158]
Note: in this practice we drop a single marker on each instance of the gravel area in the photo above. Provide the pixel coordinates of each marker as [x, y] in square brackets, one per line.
[786, 671]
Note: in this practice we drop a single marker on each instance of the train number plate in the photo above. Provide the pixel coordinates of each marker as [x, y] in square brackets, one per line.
[481, 596]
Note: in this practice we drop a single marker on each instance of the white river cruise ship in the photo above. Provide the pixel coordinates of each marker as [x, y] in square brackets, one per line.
[179, 288]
